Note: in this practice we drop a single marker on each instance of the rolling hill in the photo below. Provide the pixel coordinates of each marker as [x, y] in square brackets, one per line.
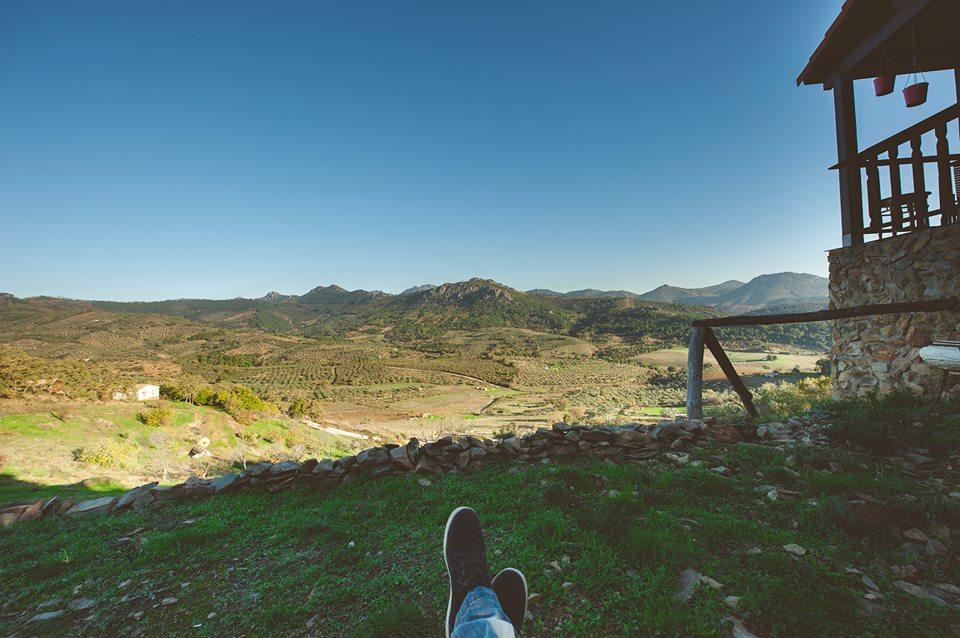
[672, 294]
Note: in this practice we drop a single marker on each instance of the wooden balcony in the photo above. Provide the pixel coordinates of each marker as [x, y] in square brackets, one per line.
[894, 175]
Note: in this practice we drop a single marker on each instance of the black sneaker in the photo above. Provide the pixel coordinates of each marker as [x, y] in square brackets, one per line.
[466, 555]
[511, 589]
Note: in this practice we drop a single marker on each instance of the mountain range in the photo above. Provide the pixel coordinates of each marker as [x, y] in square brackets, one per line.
[763, 291]
[425, 312]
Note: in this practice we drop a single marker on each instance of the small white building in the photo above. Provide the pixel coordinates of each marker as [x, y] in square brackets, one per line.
[146, 391]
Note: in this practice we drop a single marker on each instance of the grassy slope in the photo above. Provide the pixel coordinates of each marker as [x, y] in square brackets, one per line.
[38, 460]
[274, 564]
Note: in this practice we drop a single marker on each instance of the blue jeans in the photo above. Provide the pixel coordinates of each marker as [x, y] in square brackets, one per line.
[481, 616]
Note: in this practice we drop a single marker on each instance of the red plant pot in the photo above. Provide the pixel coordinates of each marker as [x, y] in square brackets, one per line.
[883, 85]
[915, 94]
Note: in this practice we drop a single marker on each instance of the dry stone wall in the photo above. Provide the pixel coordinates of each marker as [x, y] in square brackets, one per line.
[448, 455]
[880, 352]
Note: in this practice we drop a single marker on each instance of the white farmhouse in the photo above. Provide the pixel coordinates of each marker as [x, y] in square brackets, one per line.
[146, 391]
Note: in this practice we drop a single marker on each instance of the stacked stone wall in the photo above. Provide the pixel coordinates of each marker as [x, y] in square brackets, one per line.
[880, 353]
[625, 443]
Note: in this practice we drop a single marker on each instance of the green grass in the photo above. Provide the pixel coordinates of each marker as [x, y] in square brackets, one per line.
[656, 410]
[272, 563]
[62, 449]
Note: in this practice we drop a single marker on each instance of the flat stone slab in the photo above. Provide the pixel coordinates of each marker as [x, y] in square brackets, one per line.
[223, 483]
[93, 507]
[128, 498]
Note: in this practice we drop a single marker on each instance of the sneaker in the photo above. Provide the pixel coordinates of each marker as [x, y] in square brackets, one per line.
[511, 589]
[466, 555]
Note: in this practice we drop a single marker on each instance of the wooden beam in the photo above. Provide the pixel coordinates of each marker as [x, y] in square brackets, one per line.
[717, 350]
[902, 18]
[695, 374]
[933, 305]
[851, 197]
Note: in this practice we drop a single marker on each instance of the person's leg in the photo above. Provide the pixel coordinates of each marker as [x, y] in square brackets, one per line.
[473, 610]
[481, 616]
[511, 588]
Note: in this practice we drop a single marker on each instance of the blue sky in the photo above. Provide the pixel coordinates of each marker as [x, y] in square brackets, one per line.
[183, 149]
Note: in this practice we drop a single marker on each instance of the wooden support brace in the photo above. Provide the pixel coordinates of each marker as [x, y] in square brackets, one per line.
[718, 353]
[695, 374]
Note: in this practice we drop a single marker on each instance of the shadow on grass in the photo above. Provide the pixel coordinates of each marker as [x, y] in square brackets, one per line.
[14, 491]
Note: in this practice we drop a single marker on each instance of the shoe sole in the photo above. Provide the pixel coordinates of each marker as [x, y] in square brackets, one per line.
[526, 593]
[446, 532]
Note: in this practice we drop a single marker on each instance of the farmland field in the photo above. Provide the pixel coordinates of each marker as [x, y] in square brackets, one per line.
[746, 363]
[444, 369]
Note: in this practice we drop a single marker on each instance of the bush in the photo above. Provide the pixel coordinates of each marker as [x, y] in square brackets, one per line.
[780, 401]
[155, 417]
[305, 407]
[174, 392]
[240, 402]
[109, 453]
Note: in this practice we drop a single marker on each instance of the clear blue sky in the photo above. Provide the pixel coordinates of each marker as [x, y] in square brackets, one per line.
[181, 149]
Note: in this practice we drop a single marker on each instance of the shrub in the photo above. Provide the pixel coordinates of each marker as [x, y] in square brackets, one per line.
[155, 417]
[109, 453]
[240, 402]
[779, 401]
[204, 396]
[174, 392]
[305, 407]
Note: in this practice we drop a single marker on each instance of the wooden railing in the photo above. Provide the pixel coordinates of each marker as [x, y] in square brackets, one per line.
[702, 335]
[893, 206]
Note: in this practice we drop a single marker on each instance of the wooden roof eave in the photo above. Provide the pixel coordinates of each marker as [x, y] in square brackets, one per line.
[816, 73]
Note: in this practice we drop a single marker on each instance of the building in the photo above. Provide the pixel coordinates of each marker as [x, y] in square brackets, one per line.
[147, 391]
[901, 228]
[143, 392]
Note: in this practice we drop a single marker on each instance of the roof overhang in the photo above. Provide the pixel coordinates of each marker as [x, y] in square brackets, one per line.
[853, 45]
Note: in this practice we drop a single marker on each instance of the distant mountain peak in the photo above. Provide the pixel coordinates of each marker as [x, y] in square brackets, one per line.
[415, 289]
[774, 289]
[273, 294]
[330, 288]
[475, 289]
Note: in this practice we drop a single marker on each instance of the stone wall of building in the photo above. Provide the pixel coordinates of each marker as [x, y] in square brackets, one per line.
[880, 352]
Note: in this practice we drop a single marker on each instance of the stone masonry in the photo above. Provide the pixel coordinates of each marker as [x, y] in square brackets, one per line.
[634, 443]
[880, 352]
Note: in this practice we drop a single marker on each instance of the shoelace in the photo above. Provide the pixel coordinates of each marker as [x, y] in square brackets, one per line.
[471, 571]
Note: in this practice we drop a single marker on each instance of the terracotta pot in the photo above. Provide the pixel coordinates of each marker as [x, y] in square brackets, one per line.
[915, 94]
[883, 85]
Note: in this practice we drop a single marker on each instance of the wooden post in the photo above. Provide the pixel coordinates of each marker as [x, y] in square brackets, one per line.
[919, 182]
[873, 196]
[695, 374]
[717, 350]
[956, 79]
[851, 197]
[947, 203]
[896, 208]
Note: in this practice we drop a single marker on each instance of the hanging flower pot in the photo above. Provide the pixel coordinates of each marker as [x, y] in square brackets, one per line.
[915, 94]
[883, 85]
